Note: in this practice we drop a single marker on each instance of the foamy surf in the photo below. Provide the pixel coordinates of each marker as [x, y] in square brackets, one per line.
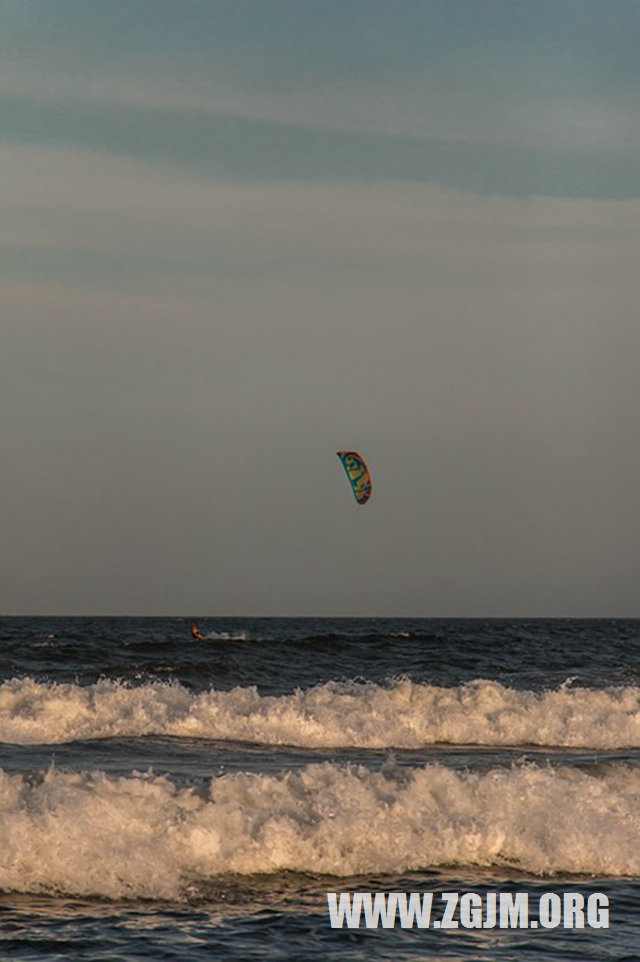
[401, 715]
[142, 836]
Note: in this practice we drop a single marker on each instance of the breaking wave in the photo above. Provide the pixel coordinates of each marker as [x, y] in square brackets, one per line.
[143, 836]
[401, 715]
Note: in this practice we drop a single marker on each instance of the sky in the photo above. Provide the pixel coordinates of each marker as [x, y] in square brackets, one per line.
[237, 236]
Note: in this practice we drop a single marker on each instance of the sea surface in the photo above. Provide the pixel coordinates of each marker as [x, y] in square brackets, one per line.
[167, 798]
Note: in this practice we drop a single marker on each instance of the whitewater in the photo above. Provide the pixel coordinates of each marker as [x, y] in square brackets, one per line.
[86, 833]
[400, 715]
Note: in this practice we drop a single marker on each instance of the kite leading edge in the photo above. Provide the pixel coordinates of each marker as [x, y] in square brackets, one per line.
[358, 474]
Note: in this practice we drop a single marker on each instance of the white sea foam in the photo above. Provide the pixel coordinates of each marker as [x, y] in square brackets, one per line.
[402, 715]
[142, 836]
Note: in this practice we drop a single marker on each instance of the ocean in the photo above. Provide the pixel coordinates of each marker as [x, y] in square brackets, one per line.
[168, 798]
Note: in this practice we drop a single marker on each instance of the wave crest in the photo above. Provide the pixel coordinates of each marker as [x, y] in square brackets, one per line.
[402, 715]
[142, 836]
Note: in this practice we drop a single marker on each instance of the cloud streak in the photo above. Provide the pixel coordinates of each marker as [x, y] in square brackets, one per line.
[516, 103]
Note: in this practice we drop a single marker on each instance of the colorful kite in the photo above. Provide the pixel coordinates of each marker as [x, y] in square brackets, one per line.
[358, 474]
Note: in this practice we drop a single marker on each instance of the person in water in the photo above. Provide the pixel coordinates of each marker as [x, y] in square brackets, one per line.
[195, 633]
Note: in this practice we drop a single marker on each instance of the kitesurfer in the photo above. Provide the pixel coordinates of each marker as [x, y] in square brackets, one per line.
[195, 633]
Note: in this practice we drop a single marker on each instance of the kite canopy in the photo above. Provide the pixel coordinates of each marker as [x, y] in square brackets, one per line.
[358, 474]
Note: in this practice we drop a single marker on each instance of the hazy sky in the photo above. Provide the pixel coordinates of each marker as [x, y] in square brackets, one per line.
[239, 235]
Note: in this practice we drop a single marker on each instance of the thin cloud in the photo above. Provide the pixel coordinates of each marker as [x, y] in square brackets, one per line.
[410, 107]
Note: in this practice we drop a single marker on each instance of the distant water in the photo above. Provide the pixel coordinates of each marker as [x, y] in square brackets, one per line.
[165, 798]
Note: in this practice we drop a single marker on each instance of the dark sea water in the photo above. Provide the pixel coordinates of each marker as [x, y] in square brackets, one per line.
[164, 798]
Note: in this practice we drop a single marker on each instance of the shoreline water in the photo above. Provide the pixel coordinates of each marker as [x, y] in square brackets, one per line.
[177, 800]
